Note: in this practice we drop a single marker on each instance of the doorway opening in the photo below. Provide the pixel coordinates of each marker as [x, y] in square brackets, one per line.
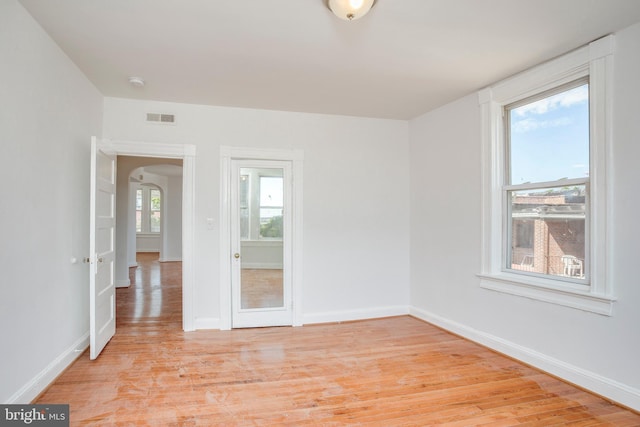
[154, 221]
[154, 241]
[104, 280]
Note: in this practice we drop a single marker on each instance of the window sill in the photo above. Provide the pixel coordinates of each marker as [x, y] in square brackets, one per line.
[547, 291]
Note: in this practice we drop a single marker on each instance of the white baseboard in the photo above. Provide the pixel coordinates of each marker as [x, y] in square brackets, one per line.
[123, 283]
[606, 387]
[207, 323]
[358, 314]
[327, 317]
[41, 381]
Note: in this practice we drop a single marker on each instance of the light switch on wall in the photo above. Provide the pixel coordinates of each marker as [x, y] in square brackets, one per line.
[210, 223]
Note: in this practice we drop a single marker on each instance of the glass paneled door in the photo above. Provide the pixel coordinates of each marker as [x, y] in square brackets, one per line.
[261, 255]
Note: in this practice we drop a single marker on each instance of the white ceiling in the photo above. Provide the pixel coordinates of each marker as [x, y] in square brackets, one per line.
[405, 58]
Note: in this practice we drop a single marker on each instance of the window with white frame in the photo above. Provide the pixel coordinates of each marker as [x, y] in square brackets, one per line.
[148, 210]
[545, 136]
[546, 183]
[261, 204]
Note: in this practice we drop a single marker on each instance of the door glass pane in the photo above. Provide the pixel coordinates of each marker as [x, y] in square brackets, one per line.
[244, 207]
[271, 201]
[261, 212]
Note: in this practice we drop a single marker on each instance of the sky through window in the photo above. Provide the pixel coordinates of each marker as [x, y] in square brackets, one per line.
[550, 138]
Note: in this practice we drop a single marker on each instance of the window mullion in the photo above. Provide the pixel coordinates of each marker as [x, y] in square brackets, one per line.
[546, 184]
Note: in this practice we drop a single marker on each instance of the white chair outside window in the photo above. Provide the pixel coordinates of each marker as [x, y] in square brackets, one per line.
[527, 260]
[573, 267]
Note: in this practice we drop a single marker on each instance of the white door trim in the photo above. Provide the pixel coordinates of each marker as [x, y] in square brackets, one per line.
[187, 153]
[296, 158]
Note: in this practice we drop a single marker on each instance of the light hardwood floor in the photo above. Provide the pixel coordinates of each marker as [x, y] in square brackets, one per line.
[383, 372]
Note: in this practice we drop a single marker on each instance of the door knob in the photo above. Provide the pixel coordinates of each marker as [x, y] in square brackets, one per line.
[236, 255]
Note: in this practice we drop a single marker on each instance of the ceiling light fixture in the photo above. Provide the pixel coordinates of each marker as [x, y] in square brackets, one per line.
[350, 10]
[136, 81]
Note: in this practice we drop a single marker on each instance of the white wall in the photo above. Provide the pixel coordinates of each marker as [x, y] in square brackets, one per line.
[172, 220]
[596, 351]
[356, 199]
[48, 112]
[147, 242]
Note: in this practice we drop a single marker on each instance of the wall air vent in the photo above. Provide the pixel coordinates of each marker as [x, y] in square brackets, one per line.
[161, 118]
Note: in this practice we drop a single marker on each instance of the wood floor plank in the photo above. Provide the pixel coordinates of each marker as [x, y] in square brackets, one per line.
[389, 372]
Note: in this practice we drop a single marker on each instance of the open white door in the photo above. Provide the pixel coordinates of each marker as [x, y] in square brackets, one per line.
[102, 298]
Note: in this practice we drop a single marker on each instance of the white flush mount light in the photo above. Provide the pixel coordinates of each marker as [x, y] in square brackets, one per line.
[136, 81]
[350, 10]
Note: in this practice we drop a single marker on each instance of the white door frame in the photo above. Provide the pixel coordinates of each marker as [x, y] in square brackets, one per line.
[296, 158]
[187, 153]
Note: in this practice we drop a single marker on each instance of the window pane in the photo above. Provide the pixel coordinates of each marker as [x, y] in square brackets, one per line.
[138, 200]
[271, 192]
[139, 210]
[549, 138]
[154, 222]
[244, 223]
[271, 202]
[548, 231]
[271, 223]
[138, 221]
[155, 200]
[154, 210]
[244, 191]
